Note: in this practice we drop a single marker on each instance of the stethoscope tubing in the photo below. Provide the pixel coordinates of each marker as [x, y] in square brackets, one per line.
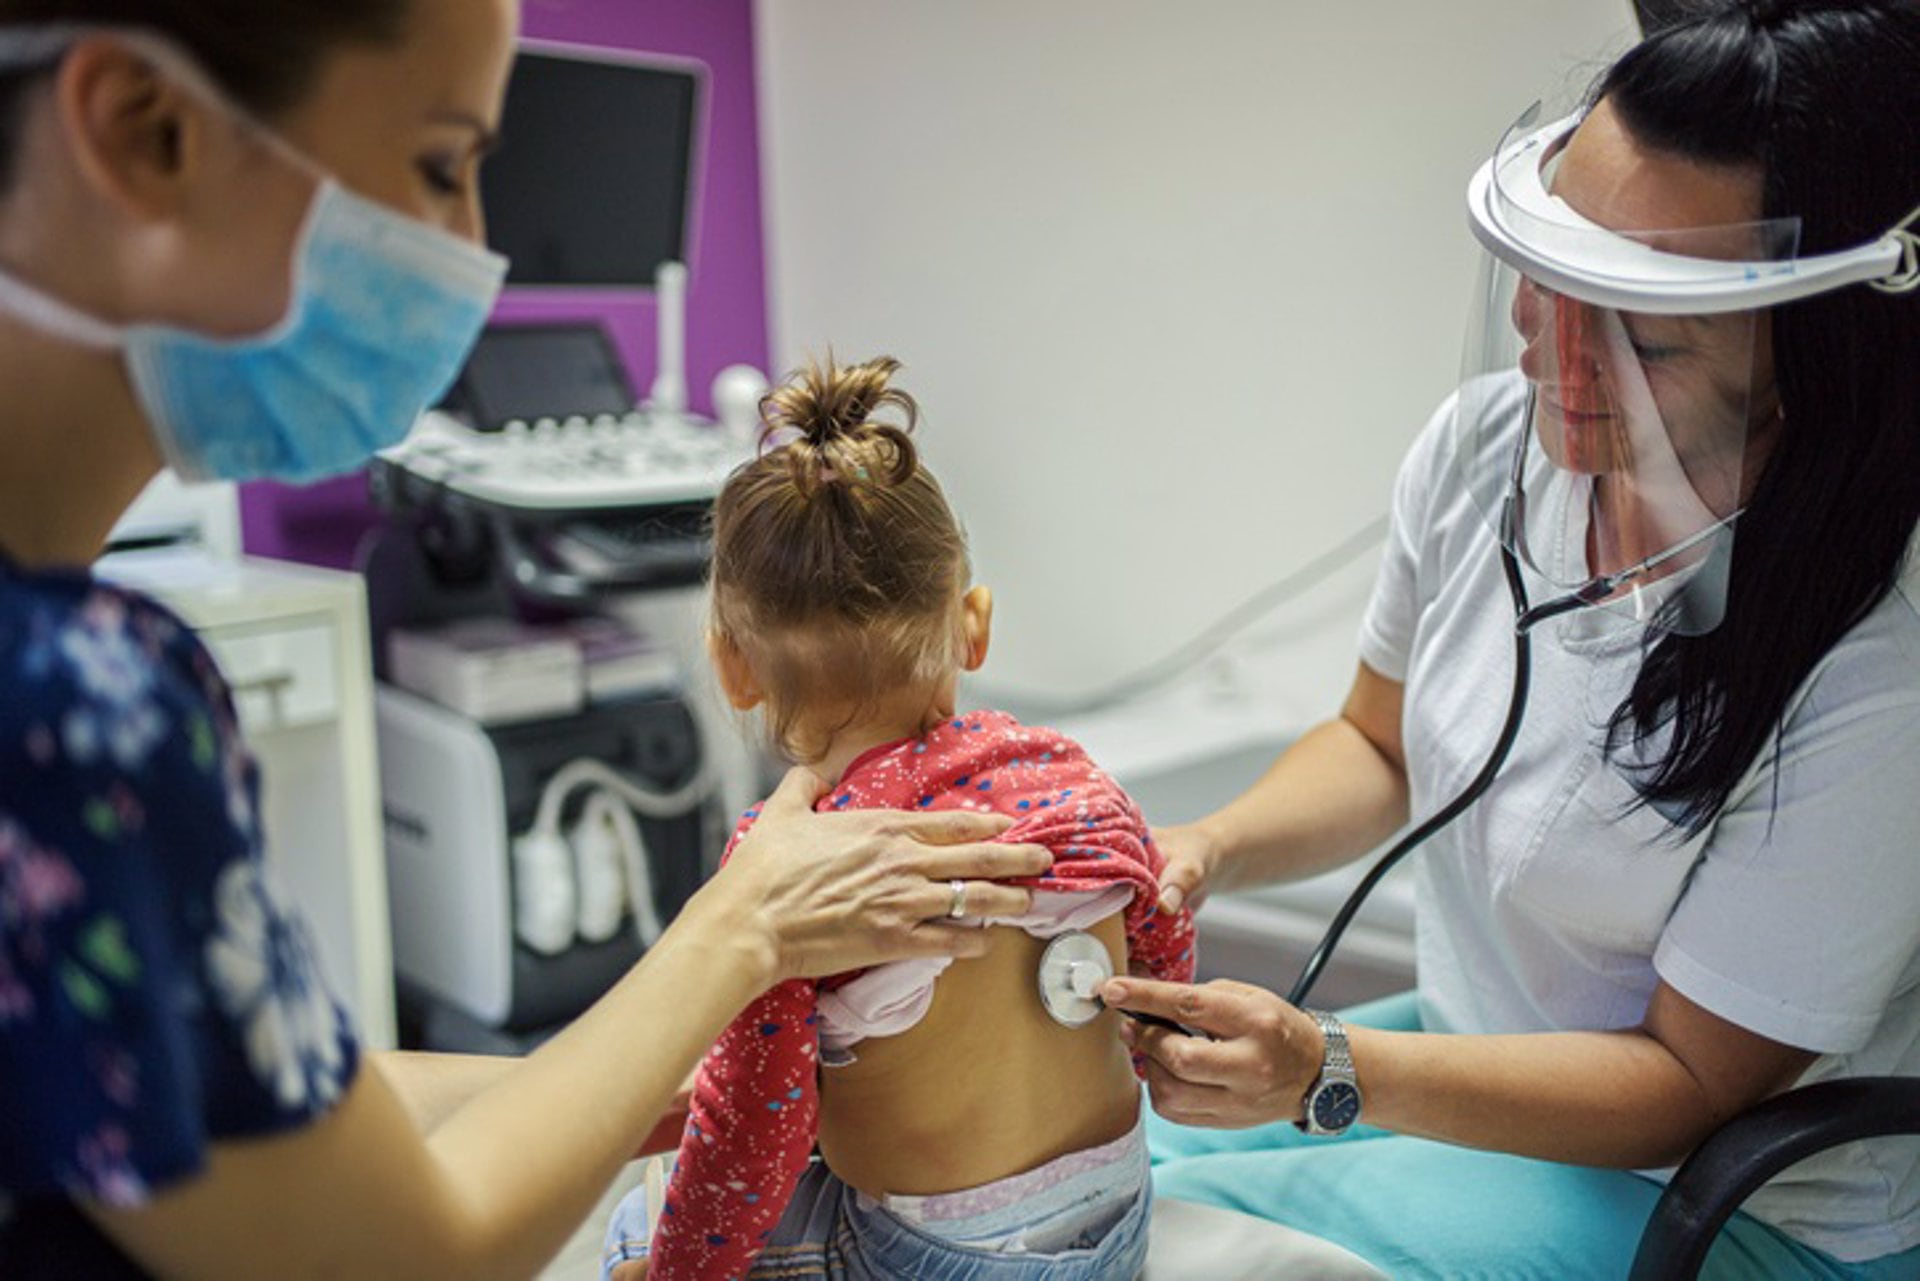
[1524, 621]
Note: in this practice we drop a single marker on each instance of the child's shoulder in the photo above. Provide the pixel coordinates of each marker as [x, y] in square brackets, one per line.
[989, 760]
[992, 740]
[982, 760]
[996, 733]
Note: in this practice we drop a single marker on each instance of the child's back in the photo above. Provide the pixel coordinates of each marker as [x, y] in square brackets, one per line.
[963, 1131]
[985, 1086]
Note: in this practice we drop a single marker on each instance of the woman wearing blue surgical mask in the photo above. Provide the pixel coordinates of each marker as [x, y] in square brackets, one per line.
[243, 237]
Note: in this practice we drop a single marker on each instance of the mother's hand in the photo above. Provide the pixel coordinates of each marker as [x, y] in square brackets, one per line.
[1265, 1055]
[1194, 856]
[839, 891]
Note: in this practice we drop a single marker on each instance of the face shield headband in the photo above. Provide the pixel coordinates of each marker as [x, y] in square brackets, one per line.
[1616, 387]
[1516, 216]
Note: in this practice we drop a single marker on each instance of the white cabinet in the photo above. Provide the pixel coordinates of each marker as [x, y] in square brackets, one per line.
[292, 642]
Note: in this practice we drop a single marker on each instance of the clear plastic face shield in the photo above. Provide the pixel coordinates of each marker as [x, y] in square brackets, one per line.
[1616, 395]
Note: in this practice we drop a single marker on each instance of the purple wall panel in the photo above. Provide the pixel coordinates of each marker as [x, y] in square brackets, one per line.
[726, 292]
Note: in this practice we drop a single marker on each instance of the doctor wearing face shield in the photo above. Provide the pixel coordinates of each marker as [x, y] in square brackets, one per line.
[1670, 505]
[243, 237]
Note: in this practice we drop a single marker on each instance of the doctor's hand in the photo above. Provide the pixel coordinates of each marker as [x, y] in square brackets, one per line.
[832, 892]
[1193, 857]
[1265, 1055]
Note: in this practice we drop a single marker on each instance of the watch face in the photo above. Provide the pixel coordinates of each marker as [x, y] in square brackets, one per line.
[1336, 1105]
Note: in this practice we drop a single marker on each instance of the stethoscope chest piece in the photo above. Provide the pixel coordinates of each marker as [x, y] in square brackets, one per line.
[1071, 971]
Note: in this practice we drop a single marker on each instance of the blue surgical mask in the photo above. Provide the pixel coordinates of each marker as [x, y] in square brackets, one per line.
[383, 312]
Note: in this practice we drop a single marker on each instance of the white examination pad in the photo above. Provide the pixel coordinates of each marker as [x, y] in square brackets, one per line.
[1188, 1241]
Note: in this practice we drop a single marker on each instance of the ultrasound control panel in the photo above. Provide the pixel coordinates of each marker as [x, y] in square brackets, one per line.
[631, 460]
[543, 418]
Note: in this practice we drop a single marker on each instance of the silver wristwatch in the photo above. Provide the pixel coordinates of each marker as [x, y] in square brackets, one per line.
[1333, 1103]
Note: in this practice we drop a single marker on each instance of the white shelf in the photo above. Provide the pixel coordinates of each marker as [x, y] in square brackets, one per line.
[292, 642]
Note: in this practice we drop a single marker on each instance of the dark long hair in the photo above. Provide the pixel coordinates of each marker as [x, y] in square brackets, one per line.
[265, 53]
[1823, 98]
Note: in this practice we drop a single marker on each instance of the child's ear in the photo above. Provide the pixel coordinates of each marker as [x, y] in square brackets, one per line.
[737, 680]
[976, 620]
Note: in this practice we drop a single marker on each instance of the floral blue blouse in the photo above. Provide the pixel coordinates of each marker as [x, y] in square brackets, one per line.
[155, 997]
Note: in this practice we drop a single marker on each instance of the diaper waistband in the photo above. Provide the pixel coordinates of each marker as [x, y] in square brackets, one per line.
[1110, 1171]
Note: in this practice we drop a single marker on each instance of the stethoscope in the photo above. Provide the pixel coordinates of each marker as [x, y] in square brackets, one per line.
[1075, 964]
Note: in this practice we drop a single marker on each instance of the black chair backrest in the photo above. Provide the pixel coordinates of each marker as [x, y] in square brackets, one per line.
[1755, 1146]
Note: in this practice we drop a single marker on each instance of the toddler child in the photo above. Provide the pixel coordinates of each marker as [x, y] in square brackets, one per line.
[962, 1132]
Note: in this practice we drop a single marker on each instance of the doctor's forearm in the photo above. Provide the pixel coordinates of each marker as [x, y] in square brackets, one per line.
[1328, 800]
[1614, 1099]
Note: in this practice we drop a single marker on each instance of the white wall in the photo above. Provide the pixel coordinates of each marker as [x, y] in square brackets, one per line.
[1175, 283]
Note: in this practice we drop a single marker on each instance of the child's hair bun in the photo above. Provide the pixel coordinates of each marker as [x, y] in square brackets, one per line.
[825, 419]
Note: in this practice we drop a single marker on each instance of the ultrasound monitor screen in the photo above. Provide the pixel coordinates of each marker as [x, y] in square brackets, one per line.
[543, 371]
[592, 180]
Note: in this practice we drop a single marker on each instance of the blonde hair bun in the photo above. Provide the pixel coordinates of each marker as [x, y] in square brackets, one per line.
[829, 415]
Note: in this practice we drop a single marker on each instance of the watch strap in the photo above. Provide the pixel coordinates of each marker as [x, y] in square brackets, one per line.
[1338, 1057]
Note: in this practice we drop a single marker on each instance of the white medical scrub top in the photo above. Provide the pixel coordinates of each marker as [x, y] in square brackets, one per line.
[1556, 904]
